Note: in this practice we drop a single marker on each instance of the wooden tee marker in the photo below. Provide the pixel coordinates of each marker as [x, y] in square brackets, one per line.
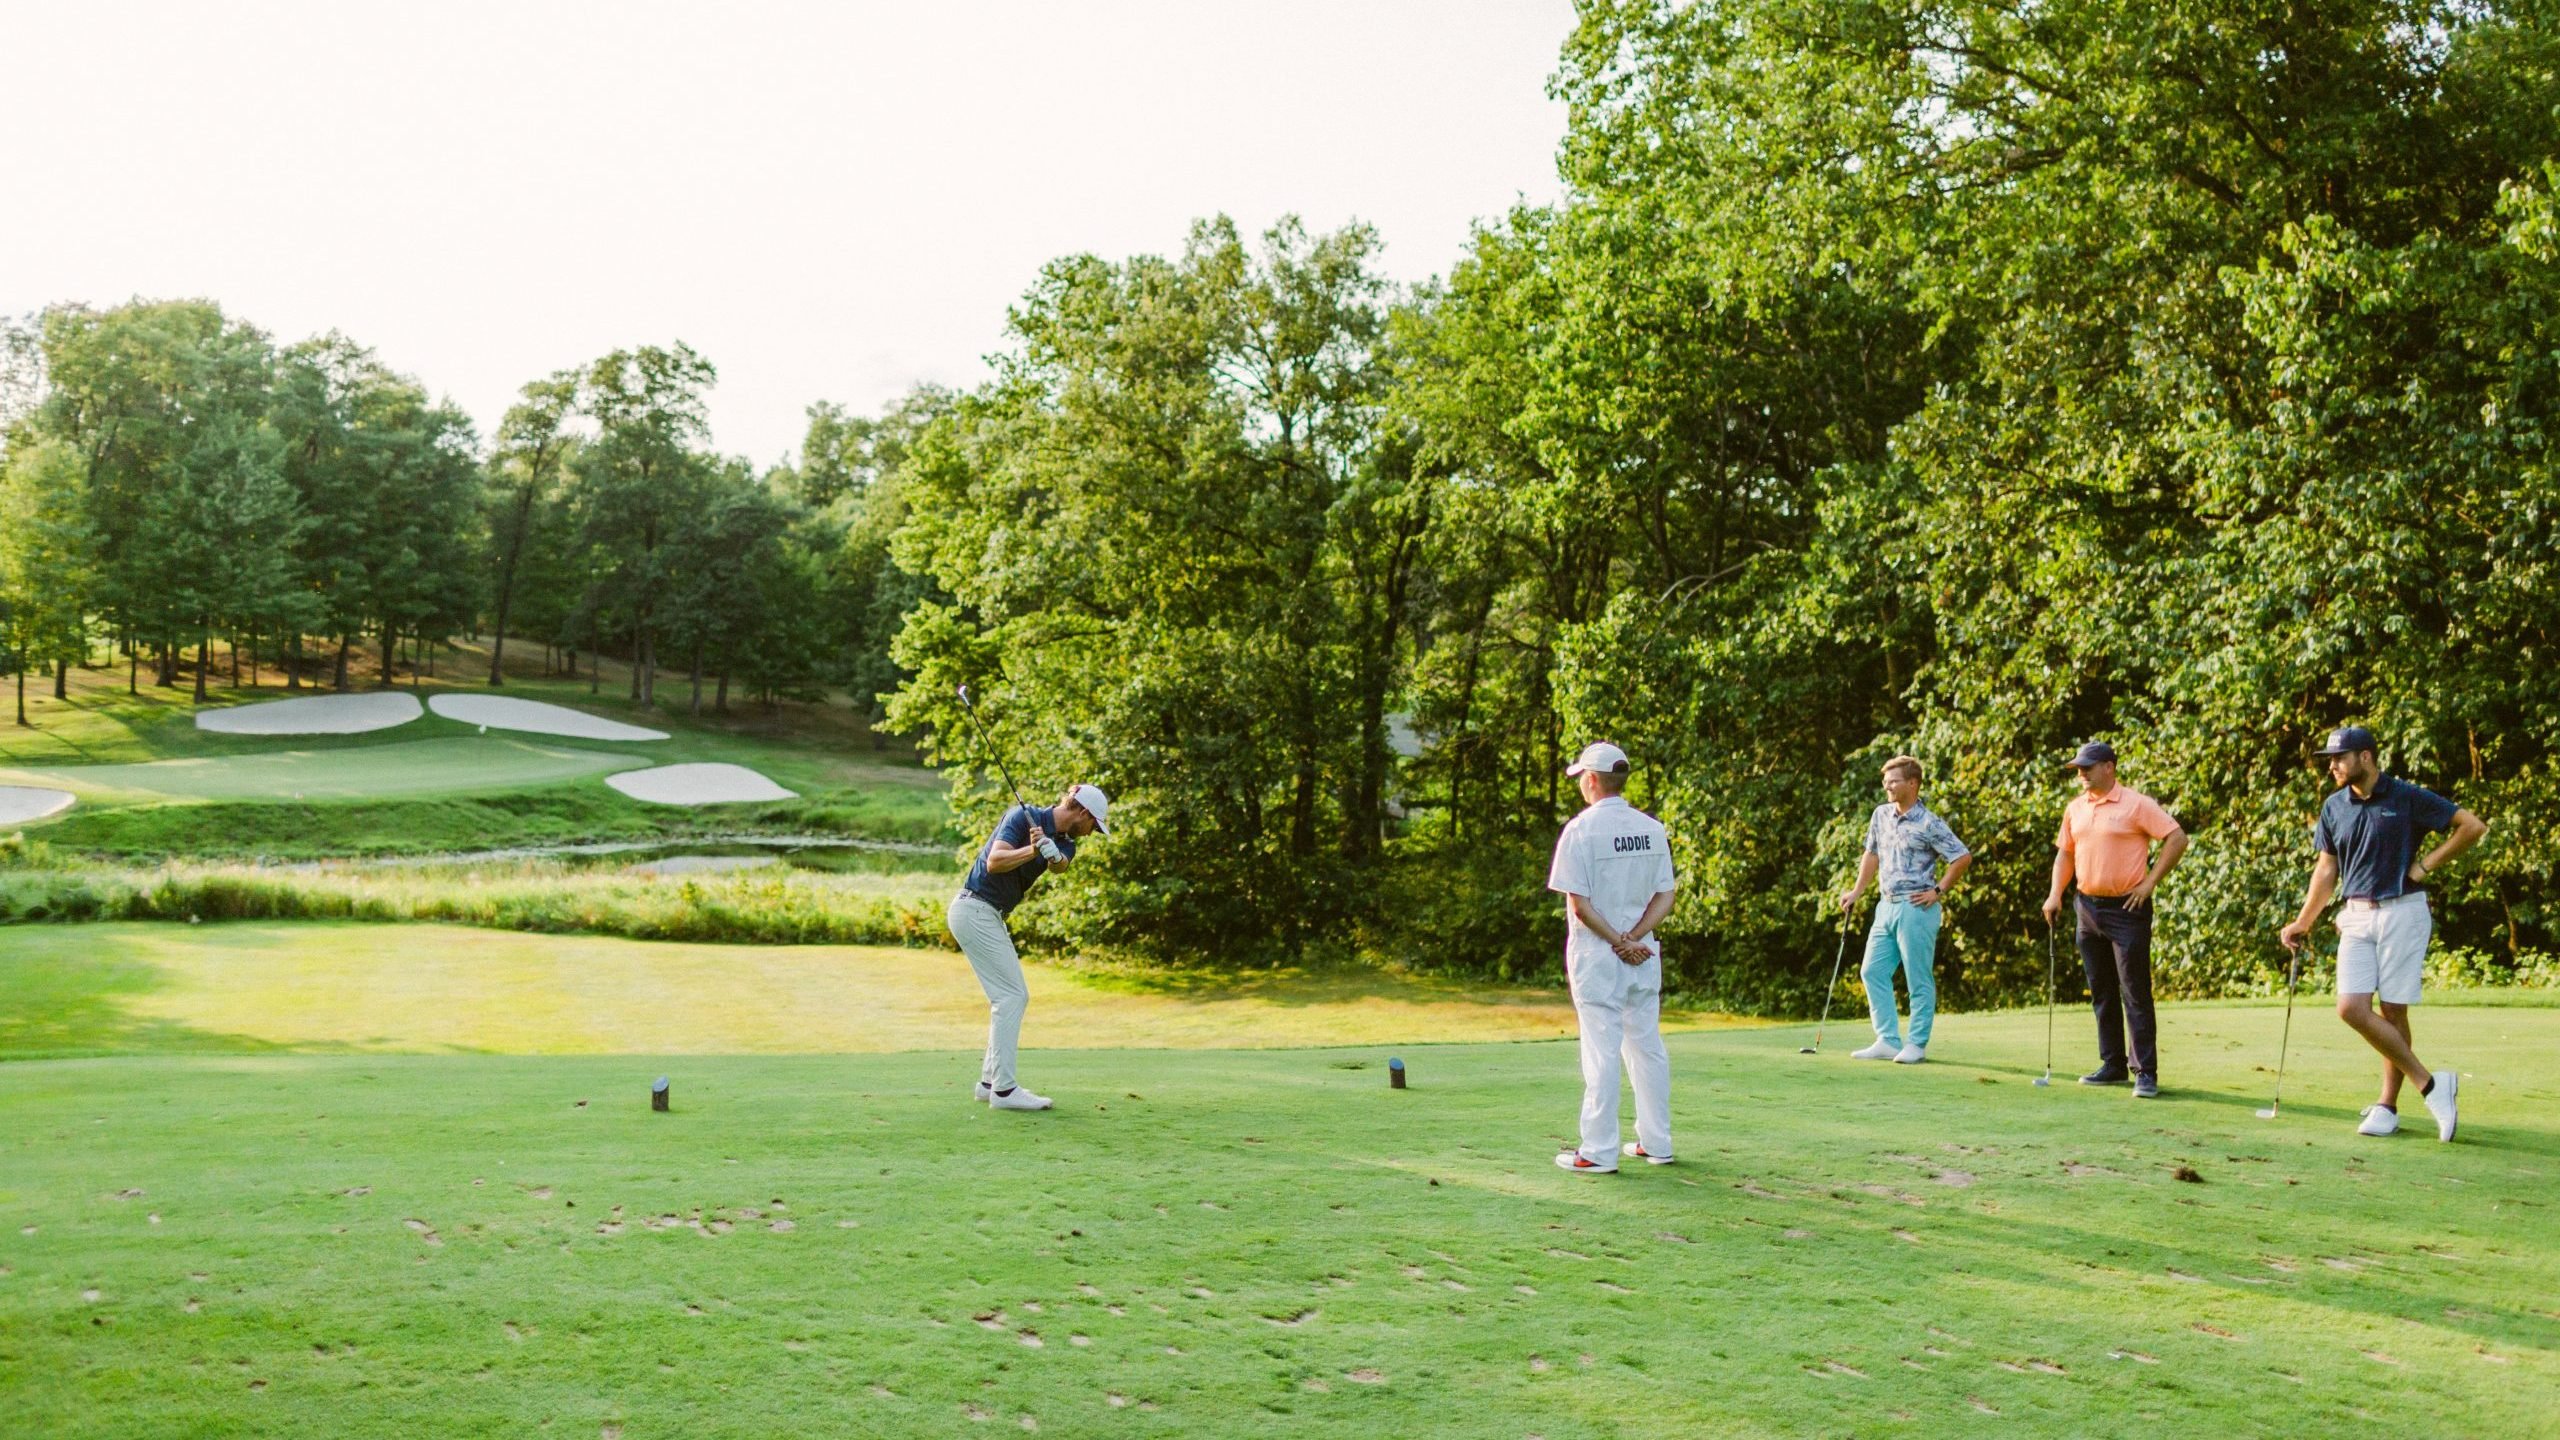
[658, 1094]
[1395, 1073]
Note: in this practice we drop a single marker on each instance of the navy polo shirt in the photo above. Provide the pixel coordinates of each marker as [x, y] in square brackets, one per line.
[2376, 839]
[1005, 890]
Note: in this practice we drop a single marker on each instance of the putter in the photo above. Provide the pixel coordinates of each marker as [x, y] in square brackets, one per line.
[1047, 848]
[2292, 969]
[1837, 956]
[2046, 1078]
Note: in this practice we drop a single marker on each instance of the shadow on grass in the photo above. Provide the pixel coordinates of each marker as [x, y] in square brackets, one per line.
[51, 1010]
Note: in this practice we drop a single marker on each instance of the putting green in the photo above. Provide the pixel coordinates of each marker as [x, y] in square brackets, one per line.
[451, 766]
[339, 986]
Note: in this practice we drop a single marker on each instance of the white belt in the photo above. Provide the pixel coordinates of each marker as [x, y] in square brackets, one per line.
[2359, 902]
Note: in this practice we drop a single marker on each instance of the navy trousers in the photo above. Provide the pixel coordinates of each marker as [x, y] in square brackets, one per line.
[2115, 954]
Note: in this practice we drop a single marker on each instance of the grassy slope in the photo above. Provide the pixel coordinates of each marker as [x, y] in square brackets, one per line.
[1271, 1242]
[257, 987]
[821, 751]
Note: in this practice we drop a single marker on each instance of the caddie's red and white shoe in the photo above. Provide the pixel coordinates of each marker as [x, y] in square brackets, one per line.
[1018, 1098]
[1634, 1150]
[1581, 1164]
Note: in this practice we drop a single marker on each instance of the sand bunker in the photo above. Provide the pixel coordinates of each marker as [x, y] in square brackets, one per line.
[499, 712]
[22, 803]
[317, 715]
[697, 785]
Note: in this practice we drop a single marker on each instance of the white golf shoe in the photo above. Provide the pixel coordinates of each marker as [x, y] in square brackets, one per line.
[986, 1092]
[1881, 1050]
[2379, 1119]
[1912, 1055]
[1634, 1150]
[2439, 1099]
[1019, 1098]
[1581, 1164]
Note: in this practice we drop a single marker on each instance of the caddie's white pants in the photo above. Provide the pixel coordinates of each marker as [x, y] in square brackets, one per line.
[1620, 1009]
[981, 931]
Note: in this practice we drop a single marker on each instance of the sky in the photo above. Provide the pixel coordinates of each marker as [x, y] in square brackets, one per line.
[830, 201]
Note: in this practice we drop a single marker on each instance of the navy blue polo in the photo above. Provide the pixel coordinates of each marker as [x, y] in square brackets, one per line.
[1005, 889]
[2376, 838]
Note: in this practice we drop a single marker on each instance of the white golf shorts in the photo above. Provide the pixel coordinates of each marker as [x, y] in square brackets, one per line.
[2382, 947]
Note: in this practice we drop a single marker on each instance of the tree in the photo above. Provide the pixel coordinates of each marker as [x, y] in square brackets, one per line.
[46, 560]
[637, 482]
[533, 446]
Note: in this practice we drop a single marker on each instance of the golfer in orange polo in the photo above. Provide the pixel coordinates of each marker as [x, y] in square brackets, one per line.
[2103, 850]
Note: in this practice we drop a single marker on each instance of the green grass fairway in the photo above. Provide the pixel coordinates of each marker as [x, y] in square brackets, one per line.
[1274, 1243]
[253, 988]
[454, 765]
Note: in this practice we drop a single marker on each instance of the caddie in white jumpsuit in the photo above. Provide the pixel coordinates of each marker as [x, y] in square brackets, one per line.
[1613, 866]
[1028, 843]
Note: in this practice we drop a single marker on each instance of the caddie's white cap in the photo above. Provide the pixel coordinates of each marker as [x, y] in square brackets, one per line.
[1599, 757]
[1095, 803]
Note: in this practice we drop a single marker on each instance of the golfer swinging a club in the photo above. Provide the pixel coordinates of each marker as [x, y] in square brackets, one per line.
[1613, 867]
[1029, 842]
[2367, 840]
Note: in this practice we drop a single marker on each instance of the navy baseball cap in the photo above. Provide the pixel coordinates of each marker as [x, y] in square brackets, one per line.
[2094, 753]
[2348, 739]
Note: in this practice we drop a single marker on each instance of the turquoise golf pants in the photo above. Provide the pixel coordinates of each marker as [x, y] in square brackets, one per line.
[1906, 935]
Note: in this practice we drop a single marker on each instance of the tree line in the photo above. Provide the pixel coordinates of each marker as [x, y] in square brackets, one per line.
[1944, 378]
[179, 490]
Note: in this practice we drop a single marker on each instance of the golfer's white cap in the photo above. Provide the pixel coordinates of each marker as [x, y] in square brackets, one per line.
[1599, 757]
[1095, 803]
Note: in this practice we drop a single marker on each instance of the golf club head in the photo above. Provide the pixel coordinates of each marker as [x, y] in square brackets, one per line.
[2267, 1114]
[1808, 1050]
[964, 694]
[2042, 1081]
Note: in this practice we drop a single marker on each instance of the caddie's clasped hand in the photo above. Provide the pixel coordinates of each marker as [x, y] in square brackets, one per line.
[1632, 950]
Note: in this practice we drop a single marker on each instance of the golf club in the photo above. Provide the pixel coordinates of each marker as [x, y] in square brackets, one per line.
[2292, 969]
[1837, 956]
[1048, 847]
[2046, 1078]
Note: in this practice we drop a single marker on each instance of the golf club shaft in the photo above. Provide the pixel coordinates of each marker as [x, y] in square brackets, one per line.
[2048, 999]
[988, 745]
[2292, 972]
[1837, 956]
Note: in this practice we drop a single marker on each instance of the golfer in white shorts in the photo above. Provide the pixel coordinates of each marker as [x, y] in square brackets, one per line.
[1613, 866]
[2367, 839]
[1029, 842]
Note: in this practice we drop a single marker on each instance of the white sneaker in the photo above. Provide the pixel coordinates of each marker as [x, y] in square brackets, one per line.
[986, 1092]
[1020, 1098]
[1580, 1164]
[2440, 1102]
[2379, 1119]
[1881, 1050]
[1912, 1055]
[1634, 1150]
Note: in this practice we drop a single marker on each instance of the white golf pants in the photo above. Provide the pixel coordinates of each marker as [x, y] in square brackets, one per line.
[1619, 1007]
[981, 931]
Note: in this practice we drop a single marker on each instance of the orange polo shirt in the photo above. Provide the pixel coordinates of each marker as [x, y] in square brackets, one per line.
[2108, 838]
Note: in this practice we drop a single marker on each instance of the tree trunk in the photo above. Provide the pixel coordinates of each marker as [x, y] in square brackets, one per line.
[204, 659]
[343, 641]
[235, 660]
[697, 677]
[132, 670]
[507, 585]
[387, 643]
[22, 690]
[293, 663]
[61, 681]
